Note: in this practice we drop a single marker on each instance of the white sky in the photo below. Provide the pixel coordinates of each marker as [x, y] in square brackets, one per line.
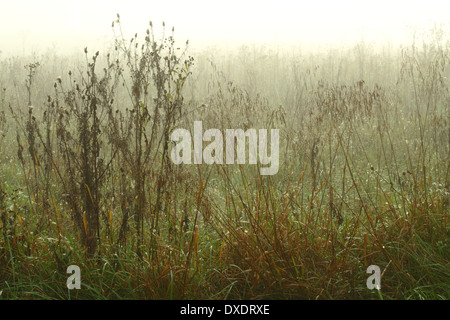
[30, 25]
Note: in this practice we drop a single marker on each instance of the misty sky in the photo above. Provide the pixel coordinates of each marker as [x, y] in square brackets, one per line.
[28, 26]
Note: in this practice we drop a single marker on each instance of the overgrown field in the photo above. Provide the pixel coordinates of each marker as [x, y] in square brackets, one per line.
[86, 176]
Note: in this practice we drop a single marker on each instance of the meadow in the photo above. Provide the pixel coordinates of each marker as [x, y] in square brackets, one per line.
[86, 177]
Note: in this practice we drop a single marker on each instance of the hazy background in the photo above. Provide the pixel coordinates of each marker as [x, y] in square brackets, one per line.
[28, 26]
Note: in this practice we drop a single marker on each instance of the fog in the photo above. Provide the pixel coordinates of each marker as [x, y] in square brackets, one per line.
[295, 150]
[35, 26]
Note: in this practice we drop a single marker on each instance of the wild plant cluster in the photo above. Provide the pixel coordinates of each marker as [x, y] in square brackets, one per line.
[86, 175]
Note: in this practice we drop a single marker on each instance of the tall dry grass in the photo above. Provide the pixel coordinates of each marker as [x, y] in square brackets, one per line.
[86, 177]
